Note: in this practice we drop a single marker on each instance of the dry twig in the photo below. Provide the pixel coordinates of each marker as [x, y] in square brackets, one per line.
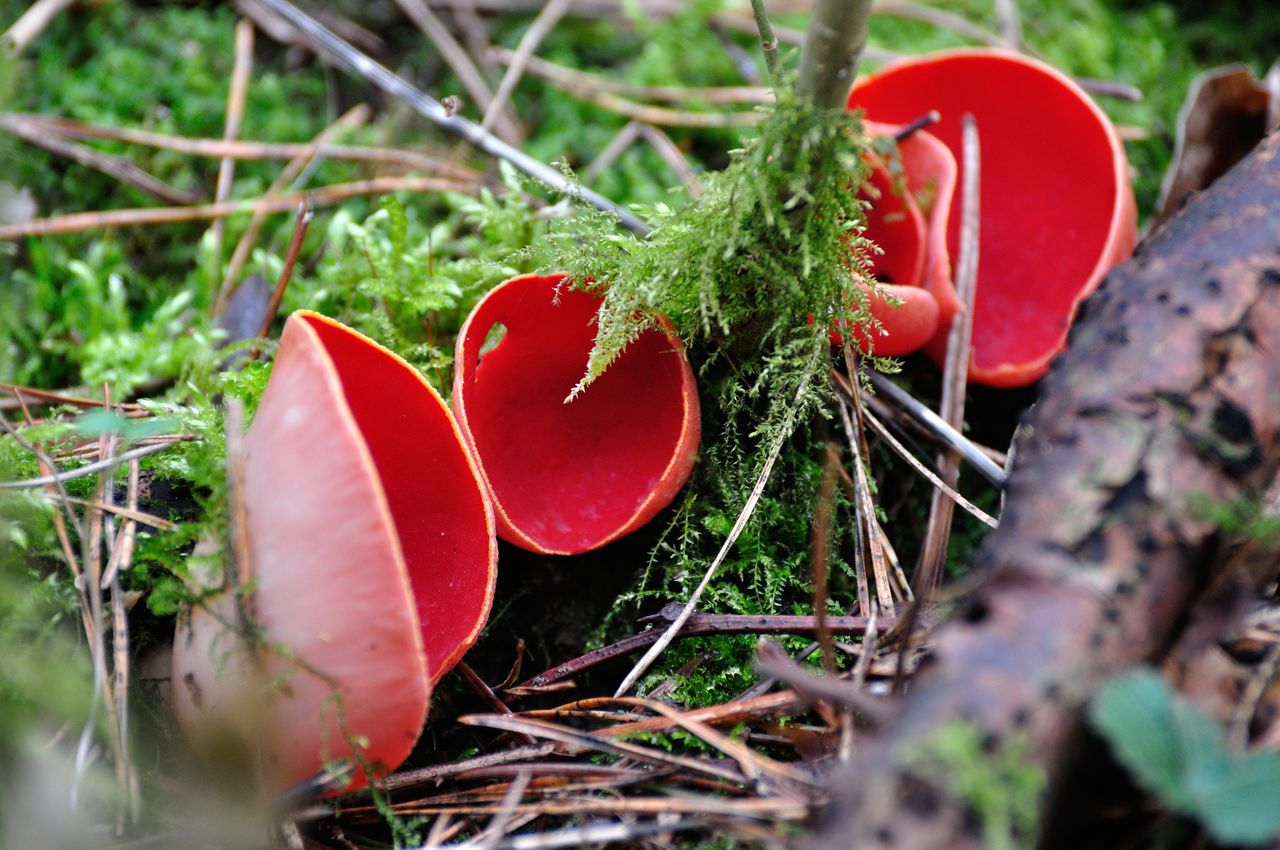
[453, 53]
[76, 222]
[955, 373]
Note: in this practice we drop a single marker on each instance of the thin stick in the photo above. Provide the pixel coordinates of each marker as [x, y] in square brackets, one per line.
[542, 25]
[752, 764]
[697, 624]
[598, 834]
[937, 427]
[18, 37]
[64, 397]
[88, 469]
[132, 515]
[955, 373]
[345, 56]
[286, 274]
[575, 81]
[908, 130]
[502, 819]
[1110, 88]
[481, 687]
[674, 157]
[76, 222]
[768, 42]
[820, 552]
[456, 57]
[575, 738]
[942, 20]
[242, 149]
[353, 117]
[666, 117]
[435, 773]
[904, 453]
[118, 167]
[236, 95]
[618, 145]
[867, 510]
[747, 510]
[1010, 22]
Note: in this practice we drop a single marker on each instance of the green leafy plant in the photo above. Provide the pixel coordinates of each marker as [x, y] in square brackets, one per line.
[1180, 754]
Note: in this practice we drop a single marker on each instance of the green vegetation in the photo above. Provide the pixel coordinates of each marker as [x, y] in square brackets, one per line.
[1180, 754]
[770, 244]
[996, 780]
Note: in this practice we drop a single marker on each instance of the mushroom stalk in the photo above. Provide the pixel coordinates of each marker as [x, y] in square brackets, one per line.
[833, 44]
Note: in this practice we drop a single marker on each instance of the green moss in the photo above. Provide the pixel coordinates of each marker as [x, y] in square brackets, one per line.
[996, 779]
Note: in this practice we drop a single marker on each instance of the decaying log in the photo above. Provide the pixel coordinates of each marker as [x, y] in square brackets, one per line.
[1167, 401]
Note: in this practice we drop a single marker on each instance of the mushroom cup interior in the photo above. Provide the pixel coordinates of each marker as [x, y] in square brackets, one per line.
[570, 476]
[1056, 205]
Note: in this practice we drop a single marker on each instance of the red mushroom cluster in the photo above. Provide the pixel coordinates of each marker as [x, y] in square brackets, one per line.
[369, 519]
[1057, 209]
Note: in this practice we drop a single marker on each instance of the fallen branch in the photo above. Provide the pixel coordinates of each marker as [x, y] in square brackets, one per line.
[1167, 400]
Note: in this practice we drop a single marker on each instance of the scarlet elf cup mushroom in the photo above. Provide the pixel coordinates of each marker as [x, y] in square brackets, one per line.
[911, 264]
[570, 476]
[1057, 209]
[372, 552]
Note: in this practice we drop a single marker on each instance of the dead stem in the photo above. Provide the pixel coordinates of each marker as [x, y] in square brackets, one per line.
[32, 22]
[353, 117]
[52, 477]
[348, 57]
[573, 80]
[487, 694]
[583, 740]
[507, 128]
[1010, 22]
[22, 122]
[936, 427]
[955, 373]
[696, 624]
[905, 454]
[305, 212]
[820, 553]
[864, 502]
[112, 165]
[241, 69]
[541, 27]
[70, 396]
[76, 222]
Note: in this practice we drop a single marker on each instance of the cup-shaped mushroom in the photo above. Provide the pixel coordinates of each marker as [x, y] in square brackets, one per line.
[372, 555]
[1057, 210]
[895, 223]
[906, 322]
[568, 476]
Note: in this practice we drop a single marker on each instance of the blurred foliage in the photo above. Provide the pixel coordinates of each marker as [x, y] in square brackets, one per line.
[1180, 754]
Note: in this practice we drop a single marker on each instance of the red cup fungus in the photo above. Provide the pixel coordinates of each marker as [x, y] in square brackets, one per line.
[1057, 210]
[570, 476]
[912, 250]
[372, 552]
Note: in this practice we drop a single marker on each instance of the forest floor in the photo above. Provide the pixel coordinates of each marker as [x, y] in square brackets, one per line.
[161, 177]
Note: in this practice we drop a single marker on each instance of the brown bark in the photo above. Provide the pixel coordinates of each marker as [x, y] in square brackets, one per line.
[1168, 397]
